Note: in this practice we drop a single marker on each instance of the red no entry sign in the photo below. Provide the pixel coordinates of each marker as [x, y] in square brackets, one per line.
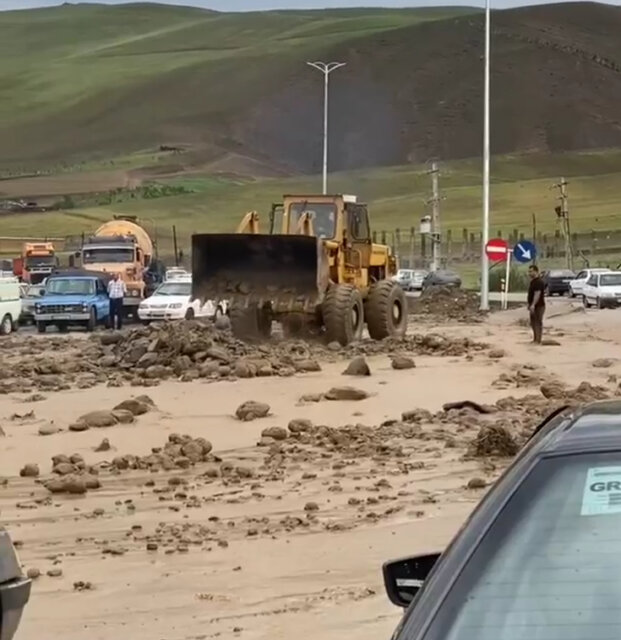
[497, 249]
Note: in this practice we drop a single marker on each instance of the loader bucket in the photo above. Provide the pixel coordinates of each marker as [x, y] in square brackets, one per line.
[282, 269]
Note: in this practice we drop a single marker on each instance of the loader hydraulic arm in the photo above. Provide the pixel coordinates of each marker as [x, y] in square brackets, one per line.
[249, 223]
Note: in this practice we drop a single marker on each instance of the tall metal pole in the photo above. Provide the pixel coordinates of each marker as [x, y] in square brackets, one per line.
[485, 227]
[326, 69]
[435, 218]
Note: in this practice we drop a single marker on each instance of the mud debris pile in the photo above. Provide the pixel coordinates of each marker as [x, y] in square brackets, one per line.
[445, 304]
[186, 351]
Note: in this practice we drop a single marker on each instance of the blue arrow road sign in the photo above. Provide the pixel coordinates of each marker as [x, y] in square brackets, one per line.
[524, 251]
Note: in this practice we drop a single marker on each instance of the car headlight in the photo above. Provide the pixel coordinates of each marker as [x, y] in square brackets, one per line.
[37, 308]
[135, 293]
[84, 306]
[175, 305]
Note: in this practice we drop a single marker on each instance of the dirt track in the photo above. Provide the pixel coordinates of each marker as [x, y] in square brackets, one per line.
[260, 541]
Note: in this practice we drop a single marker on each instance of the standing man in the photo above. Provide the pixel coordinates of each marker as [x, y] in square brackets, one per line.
[116, 292]
[536, 302]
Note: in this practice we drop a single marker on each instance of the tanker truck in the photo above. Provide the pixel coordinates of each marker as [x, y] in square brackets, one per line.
[123, 246]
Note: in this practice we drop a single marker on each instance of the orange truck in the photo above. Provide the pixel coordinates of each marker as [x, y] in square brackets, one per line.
[36, 263]
[122, 246]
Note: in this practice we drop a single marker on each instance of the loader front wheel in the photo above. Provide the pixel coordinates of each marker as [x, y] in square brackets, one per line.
[386, 310]
[251, 322]
[343, 314]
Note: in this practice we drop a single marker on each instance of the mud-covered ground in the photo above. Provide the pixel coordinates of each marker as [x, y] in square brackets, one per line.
[177, 484]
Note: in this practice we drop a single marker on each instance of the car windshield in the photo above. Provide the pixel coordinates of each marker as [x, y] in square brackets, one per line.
[174, 289]
[70, 287]
[404, 274]
[610, 280]
[94, 255]
[549, 567]
[323, 217]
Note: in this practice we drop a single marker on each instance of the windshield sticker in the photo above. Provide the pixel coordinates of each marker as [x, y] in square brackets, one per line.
[602, 491]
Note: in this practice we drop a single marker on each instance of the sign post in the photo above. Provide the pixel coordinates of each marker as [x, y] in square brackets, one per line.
[505, 297]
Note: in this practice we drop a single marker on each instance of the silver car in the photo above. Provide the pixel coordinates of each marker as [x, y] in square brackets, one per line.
[410, 279]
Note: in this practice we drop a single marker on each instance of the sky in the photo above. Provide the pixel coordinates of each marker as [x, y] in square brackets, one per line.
[257, 5]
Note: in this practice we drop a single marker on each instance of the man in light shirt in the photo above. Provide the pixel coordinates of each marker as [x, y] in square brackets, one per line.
[116, 292]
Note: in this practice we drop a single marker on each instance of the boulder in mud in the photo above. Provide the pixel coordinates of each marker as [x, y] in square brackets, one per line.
[251, 410]
[400, 362]
[346, 393]
[277, 433]
[357, 367]
[135, 406]
[29, 470]
[98, 419]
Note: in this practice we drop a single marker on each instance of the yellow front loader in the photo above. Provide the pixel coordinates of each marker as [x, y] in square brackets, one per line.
[322, 271]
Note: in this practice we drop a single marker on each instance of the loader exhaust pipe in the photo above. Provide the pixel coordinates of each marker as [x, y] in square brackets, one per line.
[282, 269]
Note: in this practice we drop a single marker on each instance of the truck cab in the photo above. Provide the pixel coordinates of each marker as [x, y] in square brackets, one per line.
[38, 260]
[73, 298]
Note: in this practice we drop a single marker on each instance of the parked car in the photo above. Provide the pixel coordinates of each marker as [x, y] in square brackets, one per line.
[172, 300]
[29, 294]
[577, 284]
[74, 297]
[10, 305]
[557, 281]
[14, 588]
[174, 273]
[410, 279]
[602, 290]
[442, 277]
[540, 553]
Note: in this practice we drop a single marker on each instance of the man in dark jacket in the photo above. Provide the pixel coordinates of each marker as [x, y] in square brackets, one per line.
[536, 302]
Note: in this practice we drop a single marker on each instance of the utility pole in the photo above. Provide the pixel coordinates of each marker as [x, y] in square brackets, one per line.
[562, 213]
[486, 163]
[326, 69]
[435, 217]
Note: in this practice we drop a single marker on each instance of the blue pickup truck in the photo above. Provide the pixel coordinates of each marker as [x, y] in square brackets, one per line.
[73, 297]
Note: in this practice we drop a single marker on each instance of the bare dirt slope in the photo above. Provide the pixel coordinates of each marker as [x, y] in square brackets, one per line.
[236, 539]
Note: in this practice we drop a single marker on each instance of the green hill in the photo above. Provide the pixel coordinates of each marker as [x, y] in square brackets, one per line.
[94, 81]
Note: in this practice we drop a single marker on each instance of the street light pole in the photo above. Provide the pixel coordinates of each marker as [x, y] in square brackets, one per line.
[326, 69]
[486, 152]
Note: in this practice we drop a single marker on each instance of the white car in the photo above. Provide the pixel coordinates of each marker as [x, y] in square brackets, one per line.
[577, 284]
[10, 304]
[176, 273]
[172, 300]
[602, 290]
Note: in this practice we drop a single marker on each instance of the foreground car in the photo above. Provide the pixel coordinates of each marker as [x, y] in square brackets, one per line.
[14, 588]
[539, 556]
[172, 300]
[557, 281]
[602, 290]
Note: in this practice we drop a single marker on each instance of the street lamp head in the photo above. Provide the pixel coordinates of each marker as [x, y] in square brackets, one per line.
[326, 67]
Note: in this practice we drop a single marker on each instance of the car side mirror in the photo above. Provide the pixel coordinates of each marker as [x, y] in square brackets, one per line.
[41, 292]
[403, 578]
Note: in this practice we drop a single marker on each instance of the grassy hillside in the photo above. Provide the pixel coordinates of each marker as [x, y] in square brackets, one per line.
[88, 82]
[521, 186]
[93, 80]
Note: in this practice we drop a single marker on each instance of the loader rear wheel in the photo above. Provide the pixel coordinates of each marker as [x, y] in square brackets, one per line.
[251, 322]
[386, 310]
[343, 314]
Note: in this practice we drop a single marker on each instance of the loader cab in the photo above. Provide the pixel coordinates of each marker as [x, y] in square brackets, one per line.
[328, 217]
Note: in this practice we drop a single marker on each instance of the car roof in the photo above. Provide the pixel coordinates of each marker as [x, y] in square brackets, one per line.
[593, 427]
